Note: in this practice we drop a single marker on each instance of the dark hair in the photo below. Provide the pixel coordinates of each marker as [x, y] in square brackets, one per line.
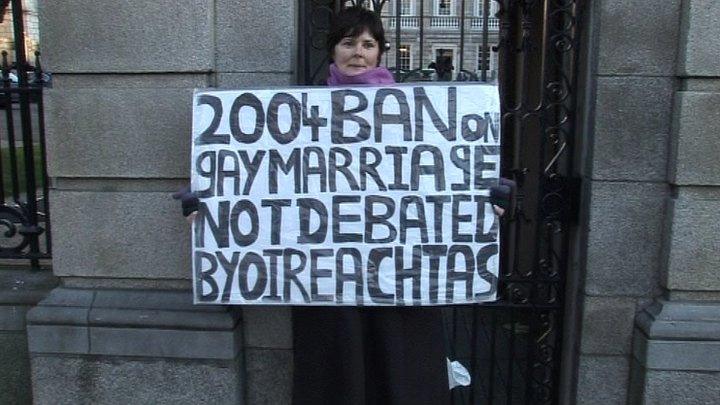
[352, 22]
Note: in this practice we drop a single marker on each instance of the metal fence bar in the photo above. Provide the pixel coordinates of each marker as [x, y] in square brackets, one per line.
[422, 34]
[485, 41]
[14, 181]
[43, 156]
[397, 39]
[20, 215]
[462, 36]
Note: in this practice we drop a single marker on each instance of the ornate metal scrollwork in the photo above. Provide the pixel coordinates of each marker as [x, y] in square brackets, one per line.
[15, 231]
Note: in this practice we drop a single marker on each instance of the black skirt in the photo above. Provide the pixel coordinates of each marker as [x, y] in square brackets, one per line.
[379, 355]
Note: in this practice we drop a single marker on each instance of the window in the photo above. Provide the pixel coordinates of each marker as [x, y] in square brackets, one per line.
[444, 7]
[351, 3]
[405, 62]
[406, 7]
[492, 4]
[484, 59]
[488, 61]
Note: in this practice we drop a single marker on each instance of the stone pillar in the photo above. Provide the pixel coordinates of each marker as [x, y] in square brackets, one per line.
[256, 45]
[118, 120]
[110, 346]
[676, 347]
[632, 61]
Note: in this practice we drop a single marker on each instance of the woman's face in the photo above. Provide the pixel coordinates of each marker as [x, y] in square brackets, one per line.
[355, 55]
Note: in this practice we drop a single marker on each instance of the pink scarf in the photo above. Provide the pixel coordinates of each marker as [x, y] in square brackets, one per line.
[378, 75]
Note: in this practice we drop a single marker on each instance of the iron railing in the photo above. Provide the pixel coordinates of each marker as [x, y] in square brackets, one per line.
[24, 205]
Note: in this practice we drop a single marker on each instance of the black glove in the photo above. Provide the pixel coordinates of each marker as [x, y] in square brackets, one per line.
[503, 194]
[190, 201]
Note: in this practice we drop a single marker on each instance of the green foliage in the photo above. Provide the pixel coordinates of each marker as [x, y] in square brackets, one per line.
[20, 156]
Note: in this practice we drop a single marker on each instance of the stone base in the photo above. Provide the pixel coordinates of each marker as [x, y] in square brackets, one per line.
[130, 346]
[676, 350]
[20, 289]
[122, 380]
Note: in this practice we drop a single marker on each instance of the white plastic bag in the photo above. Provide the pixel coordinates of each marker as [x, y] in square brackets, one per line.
[457, 374]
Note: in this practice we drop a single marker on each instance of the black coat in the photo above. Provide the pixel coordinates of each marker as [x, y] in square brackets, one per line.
[369, 355]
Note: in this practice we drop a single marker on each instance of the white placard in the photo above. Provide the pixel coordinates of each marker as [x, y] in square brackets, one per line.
[346, 196]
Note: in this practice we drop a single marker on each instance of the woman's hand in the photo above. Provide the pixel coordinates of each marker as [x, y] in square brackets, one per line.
[190, 202]
[502, 195]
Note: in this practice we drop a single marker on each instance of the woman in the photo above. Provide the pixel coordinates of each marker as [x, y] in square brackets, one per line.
[366, 355]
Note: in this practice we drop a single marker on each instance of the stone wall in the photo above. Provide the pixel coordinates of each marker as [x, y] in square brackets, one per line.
[118, 124]
[118, 129]
[650, 326]
[676, 347]
[634, 48]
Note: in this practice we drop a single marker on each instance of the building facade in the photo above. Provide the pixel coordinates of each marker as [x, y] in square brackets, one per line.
[431, 30]
[642, 299]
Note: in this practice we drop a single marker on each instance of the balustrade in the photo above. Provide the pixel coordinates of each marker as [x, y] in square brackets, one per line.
[442, 22]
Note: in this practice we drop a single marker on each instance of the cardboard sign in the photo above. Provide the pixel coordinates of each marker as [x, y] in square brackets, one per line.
[346, 196]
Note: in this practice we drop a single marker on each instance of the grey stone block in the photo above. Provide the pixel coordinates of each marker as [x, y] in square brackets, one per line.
[636, 390]
[637, 37]
[607, 325]
[700, 38]
[602, 380]
[681, 387]
[23, 286]
[633, 118]
[127, 36]
[131, 81]
[136, 133]
[58, 315]
[269, 376]
[24, 278]
[12, 317]
[240, 80]
[696, 146]
[160, 318]
[69, 298]
[624, 238]
[122, 235]
[678, 295]
[71, 380]
[243, 45]
[709, 84]
[126, 283]
[118, 184]
[153, 342]
[58, 339]
[116, 323]
[680, 320]
[268, 327]
[694, 239]
[677, 354]
[15, 374]
[177, 300]
[676, 351]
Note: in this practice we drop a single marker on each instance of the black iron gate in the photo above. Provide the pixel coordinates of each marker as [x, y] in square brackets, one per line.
[24, 214]
[512, 347]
